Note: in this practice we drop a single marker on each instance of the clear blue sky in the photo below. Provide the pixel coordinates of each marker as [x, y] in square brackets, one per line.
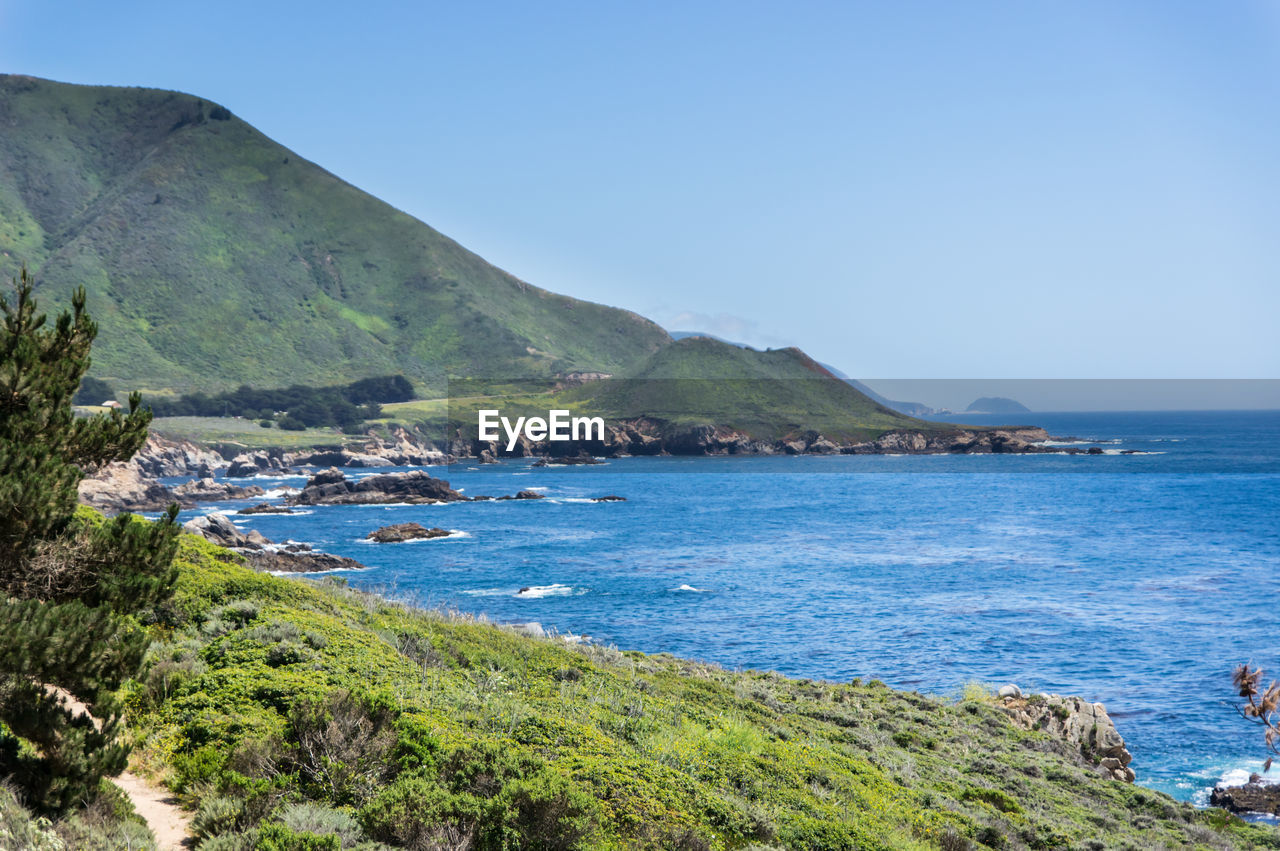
[1084, 189]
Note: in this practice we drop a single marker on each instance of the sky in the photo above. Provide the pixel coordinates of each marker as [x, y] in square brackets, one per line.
[904, 190]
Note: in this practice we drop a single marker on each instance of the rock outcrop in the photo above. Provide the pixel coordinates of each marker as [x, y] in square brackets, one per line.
[1255, 796]
[523, 495]
[163, 457]
[265, 508]
[212, 490]
[1083, 726]
[261, 462]
[332, 487]
[262, 553]
[400, 450]
[400, 532]
[122, 487]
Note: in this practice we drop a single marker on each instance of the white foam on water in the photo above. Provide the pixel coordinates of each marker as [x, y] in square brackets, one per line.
[277, 493]
[537, 592]
[687, 587]
[1129, 452]
[318, 572]
[486, 592]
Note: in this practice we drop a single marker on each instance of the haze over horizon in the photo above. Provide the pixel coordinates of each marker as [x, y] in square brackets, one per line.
[925, 190]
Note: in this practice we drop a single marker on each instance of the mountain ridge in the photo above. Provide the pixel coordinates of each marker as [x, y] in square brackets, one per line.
[192, 230]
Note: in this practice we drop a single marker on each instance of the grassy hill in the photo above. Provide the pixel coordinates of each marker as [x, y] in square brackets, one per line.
[214, 256]
[704, 381]
[279, 707]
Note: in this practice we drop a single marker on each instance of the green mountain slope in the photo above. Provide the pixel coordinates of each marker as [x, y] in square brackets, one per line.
[700, 380]
[214, 256]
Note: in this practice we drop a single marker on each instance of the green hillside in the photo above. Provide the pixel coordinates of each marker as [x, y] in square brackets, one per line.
[214, 257]
[274, 699]
[769, 395]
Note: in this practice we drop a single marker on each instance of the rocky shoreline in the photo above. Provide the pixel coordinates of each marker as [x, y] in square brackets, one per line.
[646, 436]
[264, 554]
[1255, 797]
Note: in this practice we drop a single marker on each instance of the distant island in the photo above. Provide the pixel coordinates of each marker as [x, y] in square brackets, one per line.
[996, 405]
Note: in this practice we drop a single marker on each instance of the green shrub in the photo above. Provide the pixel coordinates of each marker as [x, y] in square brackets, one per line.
[320, 820]
[288, 653]
[289, 423]
[279, 837]
[216, 814]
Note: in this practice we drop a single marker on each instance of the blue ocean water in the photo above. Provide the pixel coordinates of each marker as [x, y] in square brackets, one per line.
[1137, 580]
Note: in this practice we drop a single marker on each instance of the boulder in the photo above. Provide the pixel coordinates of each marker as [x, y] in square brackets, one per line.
[218, 529]
[399, 532]
[1009, 691]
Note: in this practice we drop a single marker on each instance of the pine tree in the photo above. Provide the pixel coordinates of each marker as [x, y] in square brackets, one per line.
[70, 583]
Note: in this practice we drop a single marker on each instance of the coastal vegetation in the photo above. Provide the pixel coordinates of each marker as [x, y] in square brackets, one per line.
[279, 708]
[341, 406]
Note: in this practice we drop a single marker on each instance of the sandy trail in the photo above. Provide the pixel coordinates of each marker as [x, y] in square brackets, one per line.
[169, 822]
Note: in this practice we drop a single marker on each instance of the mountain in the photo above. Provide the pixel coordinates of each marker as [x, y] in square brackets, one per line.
[213, 257]
[680, 335]
[996, 405]
[701, 380]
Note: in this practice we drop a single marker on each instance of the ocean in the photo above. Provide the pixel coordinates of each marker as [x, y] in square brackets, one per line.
[1135, 580]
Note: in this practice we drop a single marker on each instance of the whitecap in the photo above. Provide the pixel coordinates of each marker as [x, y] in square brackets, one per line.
[536, 592]
[687, 587]
[277, 493]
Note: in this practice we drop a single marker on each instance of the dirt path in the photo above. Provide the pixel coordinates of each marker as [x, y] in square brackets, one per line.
[169, 822]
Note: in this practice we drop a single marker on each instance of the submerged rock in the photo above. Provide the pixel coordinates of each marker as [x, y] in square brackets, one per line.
[524, 495]
[399, 532]
[265, 508]
[567, 460]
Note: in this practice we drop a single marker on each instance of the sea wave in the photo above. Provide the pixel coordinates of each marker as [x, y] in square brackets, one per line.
[277, 493]
[536, 592]
[687, 587]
